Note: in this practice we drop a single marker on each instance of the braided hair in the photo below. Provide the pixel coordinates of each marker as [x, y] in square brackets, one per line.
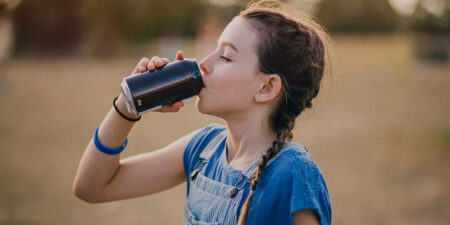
[292, 46]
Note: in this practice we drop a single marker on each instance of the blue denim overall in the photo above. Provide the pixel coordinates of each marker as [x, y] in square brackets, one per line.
[214, 203]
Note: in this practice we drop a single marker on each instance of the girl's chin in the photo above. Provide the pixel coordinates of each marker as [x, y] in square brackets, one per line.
[201, 91]
[200, 105]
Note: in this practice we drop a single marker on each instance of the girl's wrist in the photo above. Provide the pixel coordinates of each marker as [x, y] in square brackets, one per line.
[120, 105]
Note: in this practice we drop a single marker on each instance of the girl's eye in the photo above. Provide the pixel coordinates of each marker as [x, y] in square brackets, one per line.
[225, 58]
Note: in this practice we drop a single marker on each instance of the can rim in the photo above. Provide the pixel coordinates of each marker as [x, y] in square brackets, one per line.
[128, 98]
[199, 70]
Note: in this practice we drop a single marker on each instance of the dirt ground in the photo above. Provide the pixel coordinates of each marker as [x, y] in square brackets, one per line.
[379, 131]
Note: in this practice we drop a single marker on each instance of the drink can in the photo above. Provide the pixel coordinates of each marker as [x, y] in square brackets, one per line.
[152, 90]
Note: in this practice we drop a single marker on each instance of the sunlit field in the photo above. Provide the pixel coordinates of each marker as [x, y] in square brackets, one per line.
[379, 131]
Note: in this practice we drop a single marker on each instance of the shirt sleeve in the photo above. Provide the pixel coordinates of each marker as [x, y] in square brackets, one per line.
[309, 189]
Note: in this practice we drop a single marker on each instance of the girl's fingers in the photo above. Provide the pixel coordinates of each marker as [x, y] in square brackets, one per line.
[142, 64]
[168, 109]
[172, 108]
[154, 63]
[157, 62]
[178, 104]
[175, 107]
[179, 55]
[151, 64]
[140, 68]
[165, 61]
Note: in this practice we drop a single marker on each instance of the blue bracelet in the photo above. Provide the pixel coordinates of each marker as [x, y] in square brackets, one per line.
[104, 149]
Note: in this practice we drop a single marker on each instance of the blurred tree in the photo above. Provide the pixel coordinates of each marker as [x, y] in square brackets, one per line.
[6, 31]
[47, 26]
[60, 26]
[156, 18]
[102, 27]
[6, 36]
[137, 21]
[427, 21]
[432, 33]
[357, 15]
[105, 25]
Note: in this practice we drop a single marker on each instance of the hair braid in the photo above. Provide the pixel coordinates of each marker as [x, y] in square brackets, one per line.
[292, 46]
[282, 136]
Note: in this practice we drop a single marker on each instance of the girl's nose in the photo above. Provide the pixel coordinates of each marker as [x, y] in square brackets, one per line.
[204, 68]
[206, 64]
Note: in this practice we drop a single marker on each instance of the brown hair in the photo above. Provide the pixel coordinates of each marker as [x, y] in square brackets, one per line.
[293, 46]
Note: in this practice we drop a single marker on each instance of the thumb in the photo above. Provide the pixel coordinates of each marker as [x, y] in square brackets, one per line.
[179, 55]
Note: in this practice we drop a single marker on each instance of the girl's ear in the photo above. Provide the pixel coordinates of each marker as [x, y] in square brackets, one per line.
[269, 88]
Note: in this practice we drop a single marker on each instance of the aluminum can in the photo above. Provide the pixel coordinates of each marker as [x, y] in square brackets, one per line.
[151, 90]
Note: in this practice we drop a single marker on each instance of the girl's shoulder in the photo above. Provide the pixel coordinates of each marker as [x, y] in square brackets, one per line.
[296, 172]
[198, 143]
[211, 129]
[205, 134]
[295, 164]
[292, 155]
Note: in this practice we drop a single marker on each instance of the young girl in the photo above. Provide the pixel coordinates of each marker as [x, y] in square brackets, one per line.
[265, 71]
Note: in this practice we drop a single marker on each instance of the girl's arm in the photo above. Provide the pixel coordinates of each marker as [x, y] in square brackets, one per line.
[305, 217]
[101, 177]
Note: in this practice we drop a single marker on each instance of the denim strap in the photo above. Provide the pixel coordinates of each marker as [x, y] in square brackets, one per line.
[212, 146]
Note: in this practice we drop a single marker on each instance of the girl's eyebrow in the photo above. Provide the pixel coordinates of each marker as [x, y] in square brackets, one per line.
[226, 43]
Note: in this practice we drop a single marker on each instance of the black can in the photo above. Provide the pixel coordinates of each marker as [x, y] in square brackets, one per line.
[152, 90]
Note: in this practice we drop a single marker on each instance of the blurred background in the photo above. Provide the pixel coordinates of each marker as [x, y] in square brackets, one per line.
[379, 129]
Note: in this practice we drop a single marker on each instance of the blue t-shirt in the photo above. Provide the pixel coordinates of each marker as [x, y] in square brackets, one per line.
[290, 183]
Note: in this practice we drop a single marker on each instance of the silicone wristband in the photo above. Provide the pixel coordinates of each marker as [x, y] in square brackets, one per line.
[104, 149]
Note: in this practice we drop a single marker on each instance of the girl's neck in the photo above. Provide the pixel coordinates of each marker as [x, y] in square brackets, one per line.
[247, 139]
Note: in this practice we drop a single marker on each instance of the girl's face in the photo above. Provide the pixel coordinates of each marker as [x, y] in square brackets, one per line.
[230, 73]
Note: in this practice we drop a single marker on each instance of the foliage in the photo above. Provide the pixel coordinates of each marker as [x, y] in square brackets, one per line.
[357, 15]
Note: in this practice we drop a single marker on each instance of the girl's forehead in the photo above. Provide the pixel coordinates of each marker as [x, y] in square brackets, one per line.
[239, 34]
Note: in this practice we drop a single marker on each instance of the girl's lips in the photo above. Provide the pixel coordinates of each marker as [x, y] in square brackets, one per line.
[201, 91]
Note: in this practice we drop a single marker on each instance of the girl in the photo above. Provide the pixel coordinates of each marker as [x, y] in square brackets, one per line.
[265, 71]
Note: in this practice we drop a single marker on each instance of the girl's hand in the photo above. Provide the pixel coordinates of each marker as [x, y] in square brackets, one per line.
[157, 63]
